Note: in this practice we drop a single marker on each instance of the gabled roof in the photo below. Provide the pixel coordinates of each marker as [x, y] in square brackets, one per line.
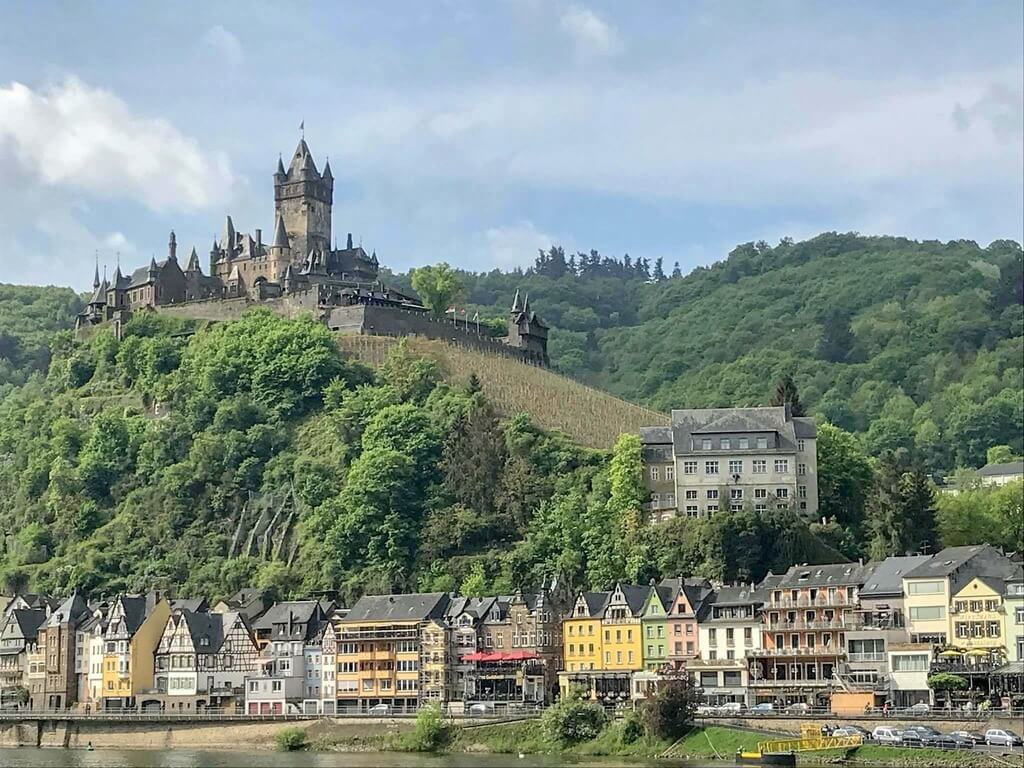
[134, 611]
[196, 604]
[141, 275]
[28, 620]
[1002, 469]
[477, 607]
[300, 620]
[69, 611]
[414, 607]
[205, 629]
[596, 602]
[636, 596]
[887, 578]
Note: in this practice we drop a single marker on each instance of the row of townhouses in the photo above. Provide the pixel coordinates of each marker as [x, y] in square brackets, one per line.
[845, 636]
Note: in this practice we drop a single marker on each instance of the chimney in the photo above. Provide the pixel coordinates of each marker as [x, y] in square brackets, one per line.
[259, 238]
[349, 241]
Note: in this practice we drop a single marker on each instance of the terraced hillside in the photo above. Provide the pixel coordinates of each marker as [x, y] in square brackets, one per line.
[591, 417]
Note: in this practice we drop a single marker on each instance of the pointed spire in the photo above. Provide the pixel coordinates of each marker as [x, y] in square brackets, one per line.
[117, 275]
[280, 166]
[515, 303]
[280, 234]
[526, 304]
[327, 169]
[308, 164]
[227, 236]
[96, 275]
[152, 263]
[193, 261]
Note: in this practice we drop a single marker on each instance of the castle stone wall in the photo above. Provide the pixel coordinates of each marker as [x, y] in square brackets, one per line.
[389, 321]
[292, 305]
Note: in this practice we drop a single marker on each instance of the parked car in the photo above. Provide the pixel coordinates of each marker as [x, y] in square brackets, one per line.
[799, 706]
[763, 708]
[973, 736]
[926, 734]
[706, 709]
[921, 708]
[953, 741]
[379, 709]
[852, 730]
[1002, 737]
[911, 738]
[885, 734]
[730, 708]
[481, 709]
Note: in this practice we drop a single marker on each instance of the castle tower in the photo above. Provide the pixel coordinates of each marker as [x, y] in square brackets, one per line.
[303, 199]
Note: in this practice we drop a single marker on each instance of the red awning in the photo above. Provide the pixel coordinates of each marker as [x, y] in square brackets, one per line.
[500, 656]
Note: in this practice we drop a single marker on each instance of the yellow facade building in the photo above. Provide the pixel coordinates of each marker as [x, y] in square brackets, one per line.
[135, 625]
[602, 642]
[977, 619]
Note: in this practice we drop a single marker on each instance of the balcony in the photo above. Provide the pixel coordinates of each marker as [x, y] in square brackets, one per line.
[802, 624]
[865, 657]
[804, 601]
[802, 651]
[794, 683]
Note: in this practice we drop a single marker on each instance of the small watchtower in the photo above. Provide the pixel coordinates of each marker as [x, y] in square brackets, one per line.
[526, 330]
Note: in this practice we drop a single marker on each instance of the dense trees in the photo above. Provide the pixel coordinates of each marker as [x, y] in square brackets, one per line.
[909, 345]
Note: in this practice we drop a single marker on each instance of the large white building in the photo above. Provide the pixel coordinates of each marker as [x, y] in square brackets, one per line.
[715, 459]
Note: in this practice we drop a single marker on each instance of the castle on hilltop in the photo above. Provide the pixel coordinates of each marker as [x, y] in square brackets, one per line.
[297, 271]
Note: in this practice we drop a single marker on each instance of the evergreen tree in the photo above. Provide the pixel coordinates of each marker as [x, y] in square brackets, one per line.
[676, 271]
[786, 392]
[659, 270]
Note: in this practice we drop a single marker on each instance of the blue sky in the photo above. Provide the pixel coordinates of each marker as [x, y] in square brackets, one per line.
[476, 132]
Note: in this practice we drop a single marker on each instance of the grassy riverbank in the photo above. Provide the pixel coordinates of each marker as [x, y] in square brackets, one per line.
[711, 743]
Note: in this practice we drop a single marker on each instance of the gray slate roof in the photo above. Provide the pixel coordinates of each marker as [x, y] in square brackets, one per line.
[636, 596]
[832, 575]
[1005, 468]
[294, 620]
[208, 627]
[887, 578]
[70, 610]
[686, 423]
[961, 564]
[596, 602]
[415, 607]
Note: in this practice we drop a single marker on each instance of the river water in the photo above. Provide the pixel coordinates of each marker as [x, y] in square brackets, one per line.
[30, 757]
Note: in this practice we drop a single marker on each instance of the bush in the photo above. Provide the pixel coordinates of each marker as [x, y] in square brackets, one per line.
[430, 732]
[290, 739]
[631, 727]
[573, 720]
[669, 713]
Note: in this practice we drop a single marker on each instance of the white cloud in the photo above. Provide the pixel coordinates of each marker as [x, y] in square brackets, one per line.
[805, 139]
[75, 136]
[515, 245]
[589, 32]
[224, 43]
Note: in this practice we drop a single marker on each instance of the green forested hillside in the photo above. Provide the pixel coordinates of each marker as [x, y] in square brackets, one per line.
[29, 316]
[913, 345]
[255, 452]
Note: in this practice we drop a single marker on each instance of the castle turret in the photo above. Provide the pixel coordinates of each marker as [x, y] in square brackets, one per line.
[193, 261]
[526, 330]
[228, 237]
[303, 199]
[172, 247]
[96, 275]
